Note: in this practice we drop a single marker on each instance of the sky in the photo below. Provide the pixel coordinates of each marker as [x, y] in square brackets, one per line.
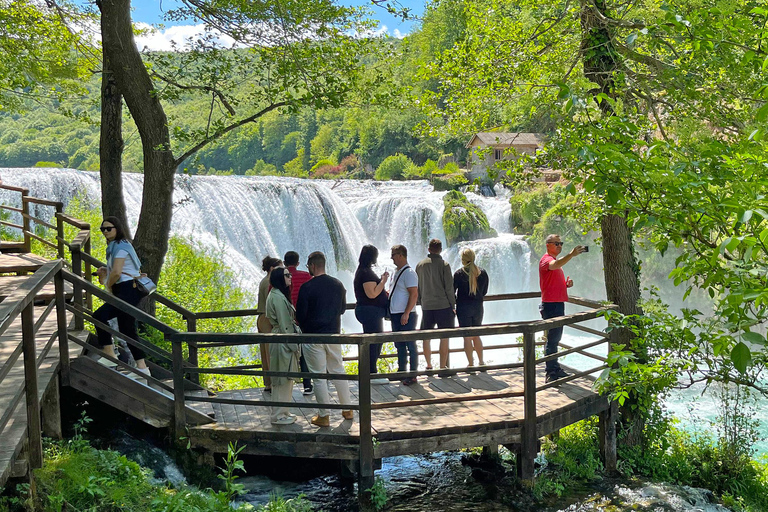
[151, 12]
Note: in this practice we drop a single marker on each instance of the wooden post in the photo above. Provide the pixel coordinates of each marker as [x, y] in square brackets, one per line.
[30, 387]
[77, 289]
[60, 230]
[179, 414]
[51, 411]
[25, 222]
[192, 327]
[365, 476]
[607, 427]
[87, 274]
[61, 319]
[529, 439]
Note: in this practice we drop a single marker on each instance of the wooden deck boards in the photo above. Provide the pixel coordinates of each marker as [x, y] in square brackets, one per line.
[407, 429]
[47, 294]
[13, 263]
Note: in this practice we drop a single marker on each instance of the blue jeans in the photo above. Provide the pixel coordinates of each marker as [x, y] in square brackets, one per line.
[372, 318]
[552, 310]
[405, 349]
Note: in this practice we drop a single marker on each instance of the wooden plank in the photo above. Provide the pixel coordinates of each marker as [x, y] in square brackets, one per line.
[9, 283]
[11, 263]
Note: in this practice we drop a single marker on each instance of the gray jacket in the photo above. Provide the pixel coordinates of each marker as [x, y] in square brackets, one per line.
[435, 283]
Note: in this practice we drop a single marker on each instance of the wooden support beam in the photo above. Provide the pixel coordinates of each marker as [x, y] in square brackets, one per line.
[365, 475]
[51, 411]
[30, 387]
[179, 411]
[61, 321]
[529, 448]
[607, 428]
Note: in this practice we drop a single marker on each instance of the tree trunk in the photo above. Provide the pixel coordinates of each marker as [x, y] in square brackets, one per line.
[151, 239]
[602, 65]
[111, 145]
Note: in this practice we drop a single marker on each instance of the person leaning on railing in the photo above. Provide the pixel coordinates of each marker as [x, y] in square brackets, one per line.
[268, 264]
[122, 264]
[283, 357]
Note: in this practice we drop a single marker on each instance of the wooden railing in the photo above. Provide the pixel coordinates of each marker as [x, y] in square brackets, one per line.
[21, 303]
[528, 330]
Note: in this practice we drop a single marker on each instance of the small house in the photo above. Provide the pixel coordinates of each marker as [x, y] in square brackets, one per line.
[487, 148]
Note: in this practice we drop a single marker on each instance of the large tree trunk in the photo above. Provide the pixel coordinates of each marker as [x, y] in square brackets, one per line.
[602, 64]
[151, 240]
[111, 145]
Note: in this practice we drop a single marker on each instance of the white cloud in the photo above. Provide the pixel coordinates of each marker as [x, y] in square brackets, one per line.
[398, 34]
[155, 39]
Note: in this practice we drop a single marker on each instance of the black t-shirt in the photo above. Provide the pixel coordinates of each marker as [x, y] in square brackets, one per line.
[321, 302]
[367, 275]
[461, 286]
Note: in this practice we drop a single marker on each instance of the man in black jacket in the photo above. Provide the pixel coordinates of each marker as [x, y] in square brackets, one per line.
[321, 302]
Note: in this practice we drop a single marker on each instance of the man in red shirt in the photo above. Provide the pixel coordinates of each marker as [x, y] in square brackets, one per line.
[554, 295]
[298, 278]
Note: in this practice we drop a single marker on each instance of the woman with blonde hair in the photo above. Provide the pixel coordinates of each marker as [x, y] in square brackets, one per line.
[470, 283]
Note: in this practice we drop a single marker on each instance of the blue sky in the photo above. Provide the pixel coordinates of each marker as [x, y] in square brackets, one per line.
[151, 12]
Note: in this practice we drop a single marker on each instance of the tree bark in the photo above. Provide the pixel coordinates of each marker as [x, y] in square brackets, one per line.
[151, 238]
[111, 145]
[602, 63]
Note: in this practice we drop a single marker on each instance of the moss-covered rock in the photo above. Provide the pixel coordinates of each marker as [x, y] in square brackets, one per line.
[463, 220]
[449, 182]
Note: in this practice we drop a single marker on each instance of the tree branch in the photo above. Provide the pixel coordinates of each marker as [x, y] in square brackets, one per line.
[197, 147]
[205, 88]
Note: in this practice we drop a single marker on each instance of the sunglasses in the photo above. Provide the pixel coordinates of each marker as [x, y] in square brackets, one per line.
[107, 229]
[289, 276]
[558, 244]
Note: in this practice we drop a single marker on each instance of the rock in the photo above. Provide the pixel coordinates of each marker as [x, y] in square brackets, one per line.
[463, 220]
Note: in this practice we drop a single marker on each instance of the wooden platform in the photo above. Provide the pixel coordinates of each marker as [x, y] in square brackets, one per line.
[399, 431]
[10, 283]
[20, 263]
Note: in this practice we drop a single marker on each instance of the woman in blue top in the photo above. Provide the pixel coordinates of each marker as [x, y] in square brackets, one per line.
[117, 277]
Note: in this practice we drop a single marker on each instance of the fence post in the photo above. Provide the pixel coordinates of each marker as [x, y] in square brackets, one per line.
[34, 434]
[192, 327]
[365, 475]
[529, 441]
[61, 319]
[87, 274]
[77, 290]
[25, 222]
[607, 428]
[60, 230]
[179, 411]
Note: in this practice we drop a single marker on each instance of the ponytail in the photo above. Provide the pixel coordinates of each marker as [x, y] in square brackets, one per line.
[472, 270]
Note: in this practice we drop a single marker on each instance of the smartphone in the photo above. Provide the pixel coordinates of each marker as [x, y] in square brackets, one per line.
[586, 248]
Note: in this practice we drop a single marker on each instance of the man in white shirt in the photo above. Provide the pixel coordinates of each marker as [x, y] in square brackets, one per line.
[403, 296]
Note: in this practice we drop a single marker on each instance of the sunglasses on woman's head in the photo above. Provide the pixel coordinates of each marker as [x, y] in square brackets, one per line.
[106, 229]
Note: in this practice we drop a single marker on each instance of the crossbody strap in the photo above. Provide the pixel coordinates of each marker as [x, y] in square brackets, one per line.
[398, 277]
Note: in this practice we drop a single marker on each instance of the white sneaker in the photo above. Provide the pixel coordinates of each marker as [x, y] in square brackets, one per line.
[379, 382]
[285, 420]
[106, 362]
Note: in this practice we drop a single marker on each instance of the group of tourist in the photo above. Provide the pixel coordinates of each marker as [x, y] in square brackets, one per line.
[312, 302]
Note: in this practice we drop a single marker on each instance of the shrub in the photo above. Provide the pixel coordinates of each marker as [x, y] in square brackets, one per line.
[47, 164]
[392, 167]
[463, 220]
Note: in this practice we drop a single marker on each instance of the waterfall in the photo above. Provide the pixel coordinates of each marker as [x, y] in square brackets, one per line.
[249, 217]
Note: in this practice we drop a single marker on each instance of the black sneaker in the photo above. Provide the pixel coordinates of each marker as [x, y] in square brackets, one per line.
[555, 375]
[409, 381]
[308, 390]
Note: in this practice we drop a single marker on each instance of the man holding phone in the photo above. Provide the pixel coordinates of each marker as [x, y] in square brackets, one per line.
[554, 294]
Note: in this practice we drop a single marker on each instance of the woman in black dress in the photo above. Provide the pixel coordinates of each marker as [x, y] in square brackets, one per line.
[371, 299]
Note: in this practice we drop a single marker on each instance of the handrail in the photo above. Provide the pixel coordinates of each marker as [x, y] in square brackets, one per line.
[24, 294]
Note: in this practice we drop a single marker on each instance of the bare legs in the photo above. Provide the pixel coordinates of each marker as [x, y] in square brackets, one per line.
[444, 354]
[428, 353]
[474, 343]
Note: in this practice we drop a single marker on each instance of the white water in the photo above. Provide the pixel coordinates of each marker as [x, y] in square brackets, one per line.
[250, 217]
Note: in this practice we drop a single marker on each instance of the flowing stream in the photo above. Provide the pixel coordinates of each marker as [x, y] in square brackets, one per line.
[250, 217]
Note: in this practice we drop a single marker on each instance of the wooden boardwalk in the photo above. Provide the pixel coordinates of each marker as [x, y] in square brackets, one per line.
[403, 430]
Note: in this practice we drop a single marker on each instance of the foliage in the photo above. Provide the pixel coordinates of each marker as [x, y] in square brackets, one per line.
[529, 204]
[378, 494]
[452, 182]
[393, 167]
[463, 220]
[572, 456]
[40, 60]
[228, 475]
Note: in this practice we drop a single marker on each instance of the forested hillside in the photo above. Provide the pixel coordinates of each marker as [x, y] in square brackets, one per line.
[352, 140]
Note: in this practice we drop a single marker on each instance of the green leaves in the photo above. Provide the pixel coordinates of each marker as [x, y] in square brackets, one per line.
[741, 357]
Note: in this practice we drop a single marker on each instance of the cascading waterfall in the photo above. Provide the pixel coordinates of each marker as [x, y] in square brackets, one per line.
[250, 217]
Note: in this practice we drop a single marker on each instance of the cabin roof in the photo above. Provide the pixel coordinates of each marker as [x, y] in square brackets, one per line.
[506, 139]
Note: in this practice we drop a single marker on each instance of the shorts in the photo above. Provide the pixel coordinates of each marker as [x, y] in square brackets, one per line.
[438, 318]
[470, 316]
